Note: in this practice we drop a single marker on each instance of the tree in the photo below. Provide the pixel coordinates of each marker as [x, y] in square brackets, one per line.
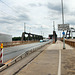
[16, 38]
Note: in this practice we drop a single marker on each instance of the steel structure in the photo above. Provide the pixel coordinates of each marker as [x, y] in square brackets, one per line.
[70, 32]
[30, 35]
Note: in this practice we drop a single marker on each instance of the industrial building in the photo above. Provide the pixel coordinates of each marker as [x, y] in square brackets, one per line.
[5, 38]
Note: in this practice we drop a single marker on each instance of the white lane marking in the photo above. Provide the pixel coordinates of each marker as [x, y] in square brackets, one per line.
[59, 65]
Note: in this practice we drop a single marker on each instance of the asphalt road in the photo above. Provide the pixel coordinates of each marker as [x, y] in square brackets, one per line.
[12, 52]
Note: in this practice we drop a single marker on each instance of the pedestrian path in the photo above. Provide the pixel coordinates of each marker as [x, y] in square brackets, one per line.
[47, 63]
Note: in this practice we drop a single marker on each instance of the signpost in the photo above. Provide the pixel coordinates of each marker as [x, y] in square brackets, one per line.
[63, 33]
[62, 27]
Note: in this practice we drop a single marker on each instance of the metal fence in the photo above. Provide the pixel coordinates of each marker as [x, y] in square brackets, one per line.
[69, 42]
[13, 43]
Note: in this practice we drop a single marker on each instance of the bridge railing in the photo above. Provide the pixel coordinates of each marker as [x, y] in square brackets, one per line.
[13, 43]
[70, 42]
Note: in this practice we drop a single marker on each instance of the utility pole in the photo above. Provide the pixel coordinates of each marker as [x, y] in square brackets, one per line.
[63, 23]
[41, 30]
[24, 27]
[53, 25]
[29, 29]
[53, 31]
[60, 34]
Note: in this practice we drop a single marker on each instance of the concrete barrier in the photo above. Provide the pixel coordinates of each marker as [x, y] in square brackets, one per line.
[23, 55]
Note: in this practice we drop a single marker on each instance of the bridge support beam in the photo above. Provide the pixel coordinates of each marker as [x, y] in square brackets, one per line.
[34, 36]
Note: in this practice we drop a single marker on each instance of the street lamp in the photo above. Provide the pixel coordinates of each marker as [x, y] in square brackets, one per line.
[63, 23]
[29, 29]
[24, 27]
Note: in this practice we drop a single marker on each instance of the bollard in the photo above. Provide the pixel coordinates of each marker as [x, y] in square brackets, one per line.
[1, 55]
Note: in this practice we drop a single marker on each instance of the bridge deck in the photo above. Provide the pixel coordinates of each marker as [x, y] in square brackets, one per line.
[52, 61]
[49, 62]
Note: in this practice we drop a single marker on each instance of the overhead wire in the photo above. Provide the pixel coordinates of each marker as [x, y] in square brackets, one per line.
[6, 13]
[8, 5]
[10, 8]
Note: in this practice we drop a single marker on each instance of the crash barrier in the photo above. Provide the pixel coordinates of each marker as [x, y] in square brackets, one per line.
[23, 55]
[69, 42]
[6, 44]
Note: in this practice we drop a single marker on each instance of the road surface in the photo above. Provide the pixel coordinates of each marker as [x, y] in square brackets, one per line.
[12, 52]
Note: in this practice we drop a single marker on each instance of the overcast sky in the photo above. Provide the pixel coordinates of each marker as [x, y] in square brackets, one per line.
[38, 15]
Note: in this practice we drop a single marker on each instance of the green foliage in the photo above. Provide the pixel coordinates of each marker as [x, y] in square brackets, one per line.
[31, 38]
[16, 38]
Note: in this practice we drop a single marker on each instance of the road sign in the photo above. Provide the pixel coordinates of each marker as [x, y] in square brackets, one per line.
[63, 27]
[63, 33]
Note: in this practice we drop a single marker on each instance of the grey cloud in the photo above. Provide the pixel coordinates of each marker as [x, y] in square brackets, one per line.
[21, 9]
[71, 22]
[71, 13]
[21, 14]
[12, 20]
[35, 5]
[8, 18]
[56, 7]
[23, 17]
[40, 4]
[5, 22]
[32, 4]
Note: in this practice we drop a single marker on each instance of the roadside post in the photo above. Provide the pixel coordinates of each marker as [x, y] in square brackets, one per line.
[63, 27]
[1, 54]
[63, 39]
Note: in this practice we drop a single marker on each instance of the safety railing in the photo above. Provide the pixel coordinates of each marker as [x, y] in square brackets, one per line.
[70, 42]
[13, 43]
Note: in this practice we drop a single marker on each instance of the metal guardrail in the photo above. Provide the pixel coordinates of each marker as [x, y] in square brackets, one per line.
[71, 43]
[13, 43]
[23, 55]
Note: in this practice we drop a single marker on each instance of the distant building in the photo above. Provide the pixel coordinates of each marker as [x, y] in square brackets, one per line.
[5, 38]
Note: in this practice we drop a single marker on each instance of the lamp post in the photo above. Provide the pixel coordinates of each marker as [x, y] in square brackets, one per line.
[41, 30]
[63, 23]
[29, 29]
[24, 27]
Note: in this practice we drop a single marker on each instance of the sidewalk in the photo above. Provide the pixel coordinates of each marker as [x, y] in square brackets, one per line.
[47, 63]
